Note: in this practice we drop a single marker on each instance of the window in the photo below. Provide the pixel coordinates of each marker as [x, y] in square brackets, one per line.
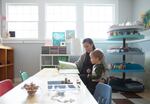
[23, 19]
[60, 19]
[97, 20]
[39, 20]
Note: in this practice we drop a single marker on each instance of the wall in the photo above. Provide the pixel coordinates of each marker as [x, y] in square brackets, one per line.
[125, 10]
[0, 15]
[140, 7]
[27, 57]
[144, 45]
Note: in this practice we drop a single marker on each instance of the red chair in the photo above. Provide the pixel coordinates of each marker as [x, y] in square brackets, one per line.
[5, 86]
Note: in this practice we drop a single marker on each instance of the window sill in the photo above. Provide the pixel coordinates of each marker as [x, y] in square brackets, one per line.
[38, 41]
[12, 40]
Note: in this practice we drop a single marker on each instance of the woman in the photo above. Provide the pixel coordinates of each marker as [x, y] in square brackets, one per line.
[84, 63]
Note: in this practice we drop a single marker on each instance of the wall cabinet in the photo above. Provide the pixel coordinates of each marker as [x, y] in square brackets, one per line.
[6, 62]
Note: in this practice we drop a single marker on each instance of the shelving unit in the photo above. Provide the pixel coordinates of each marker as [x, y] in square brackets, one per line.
[51, 60]
[50, 56]
[127, 33]
[6, 63]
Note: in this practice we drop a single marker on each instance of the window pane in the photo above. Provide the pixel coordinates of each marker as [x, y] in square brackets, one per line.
[98, 13]
[60, 19]
[60, 13]
[97, 20]
[23, 19]
[96, 30]
[24, 29]
[58, 27]
[22, 13]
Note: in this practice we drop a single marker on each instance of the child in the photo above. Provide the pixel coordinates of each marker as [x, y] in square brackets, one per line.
[98, 71]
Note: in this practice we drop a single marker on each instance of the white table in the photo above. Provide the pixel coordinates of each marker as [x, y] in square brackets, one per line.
[43, 96]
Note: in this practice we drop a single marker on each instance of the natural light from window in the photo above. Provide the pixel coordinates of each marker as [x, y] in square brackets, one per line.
[97, 20]
[60, 19]
[23, 19]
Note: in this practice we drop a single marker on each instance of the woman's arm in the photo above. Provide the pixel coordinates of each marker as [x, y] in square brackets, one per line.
[80, 61]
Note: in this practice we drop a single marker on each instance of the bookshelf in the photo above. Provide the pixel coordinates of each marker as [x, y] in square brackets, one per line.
[50, 56]
[6, 62]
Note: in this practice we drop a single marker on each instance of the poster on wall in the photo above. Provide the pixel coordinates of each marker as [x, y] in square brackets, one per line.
[58, 38]
[70, 34]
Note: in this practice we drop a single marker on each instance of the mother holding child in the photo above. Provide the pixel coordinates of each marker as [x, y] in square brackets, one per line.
[91, 66]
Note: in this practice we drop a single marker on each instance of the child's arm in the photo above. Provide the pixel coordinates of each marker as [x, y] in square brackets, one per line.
[98, 73]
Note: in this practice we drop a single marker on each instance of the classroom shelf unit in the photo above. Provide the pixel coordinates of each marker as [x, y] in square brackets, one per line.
[6, 62]
[123, 34]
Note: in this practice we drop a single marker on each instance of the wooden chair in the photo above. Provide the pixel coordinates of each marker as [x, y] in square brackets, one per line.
[5, 86]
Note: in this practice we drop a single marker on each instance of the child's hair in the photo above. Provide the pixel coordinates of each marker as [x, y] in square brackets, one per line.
[97, 53]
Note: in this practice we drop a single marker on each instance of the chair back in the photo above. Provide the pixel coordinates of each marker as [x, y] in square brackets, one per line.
[103, 93]
[24, 75]
[5, 86]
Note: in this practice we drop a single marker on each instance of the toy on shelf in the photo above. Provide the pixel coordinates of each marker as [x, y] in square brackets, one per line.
[125, 50]
[126, 30]
[146, 19]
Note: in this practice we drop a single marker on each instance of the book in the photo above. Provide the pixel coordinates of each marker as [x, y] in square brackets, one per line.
[67, 65]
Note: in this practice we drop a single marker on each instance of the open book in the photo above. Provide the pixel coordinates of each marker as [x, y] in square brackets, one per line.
[67, 65]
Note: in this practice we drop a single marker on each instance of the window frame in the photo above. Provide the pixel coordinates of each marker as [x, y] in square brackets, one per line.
[47, 21]
[36, 21]
[42, 25]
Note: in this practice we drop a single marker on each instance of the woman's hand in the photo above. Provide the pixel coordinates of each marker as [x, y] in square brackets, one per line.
[88, 71]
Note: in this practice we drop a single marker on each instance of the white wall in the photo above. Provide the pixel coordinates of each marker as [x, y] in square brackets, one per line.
[0, 15]
[27, 57]
[140, 7]
[125, 10]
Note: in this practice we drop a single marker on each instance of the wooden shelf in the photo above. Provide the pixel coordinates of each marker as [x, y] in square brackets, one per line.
[6, 62]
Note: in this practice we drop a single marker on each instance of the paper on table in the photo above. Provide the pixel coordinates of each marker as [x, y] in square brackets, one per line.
[69, 71]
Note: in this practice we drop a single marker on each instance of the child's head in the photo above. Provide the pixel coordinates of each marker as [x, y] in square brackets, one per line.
[96, 56]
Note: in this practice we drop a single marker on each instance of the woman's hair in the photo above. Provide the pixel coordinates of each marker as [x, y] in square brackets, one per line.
[97, 53]
[90, 41]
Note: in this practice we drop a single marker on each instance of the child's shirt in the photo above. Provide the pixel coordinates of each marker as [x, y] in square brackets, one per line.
[98, 71]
